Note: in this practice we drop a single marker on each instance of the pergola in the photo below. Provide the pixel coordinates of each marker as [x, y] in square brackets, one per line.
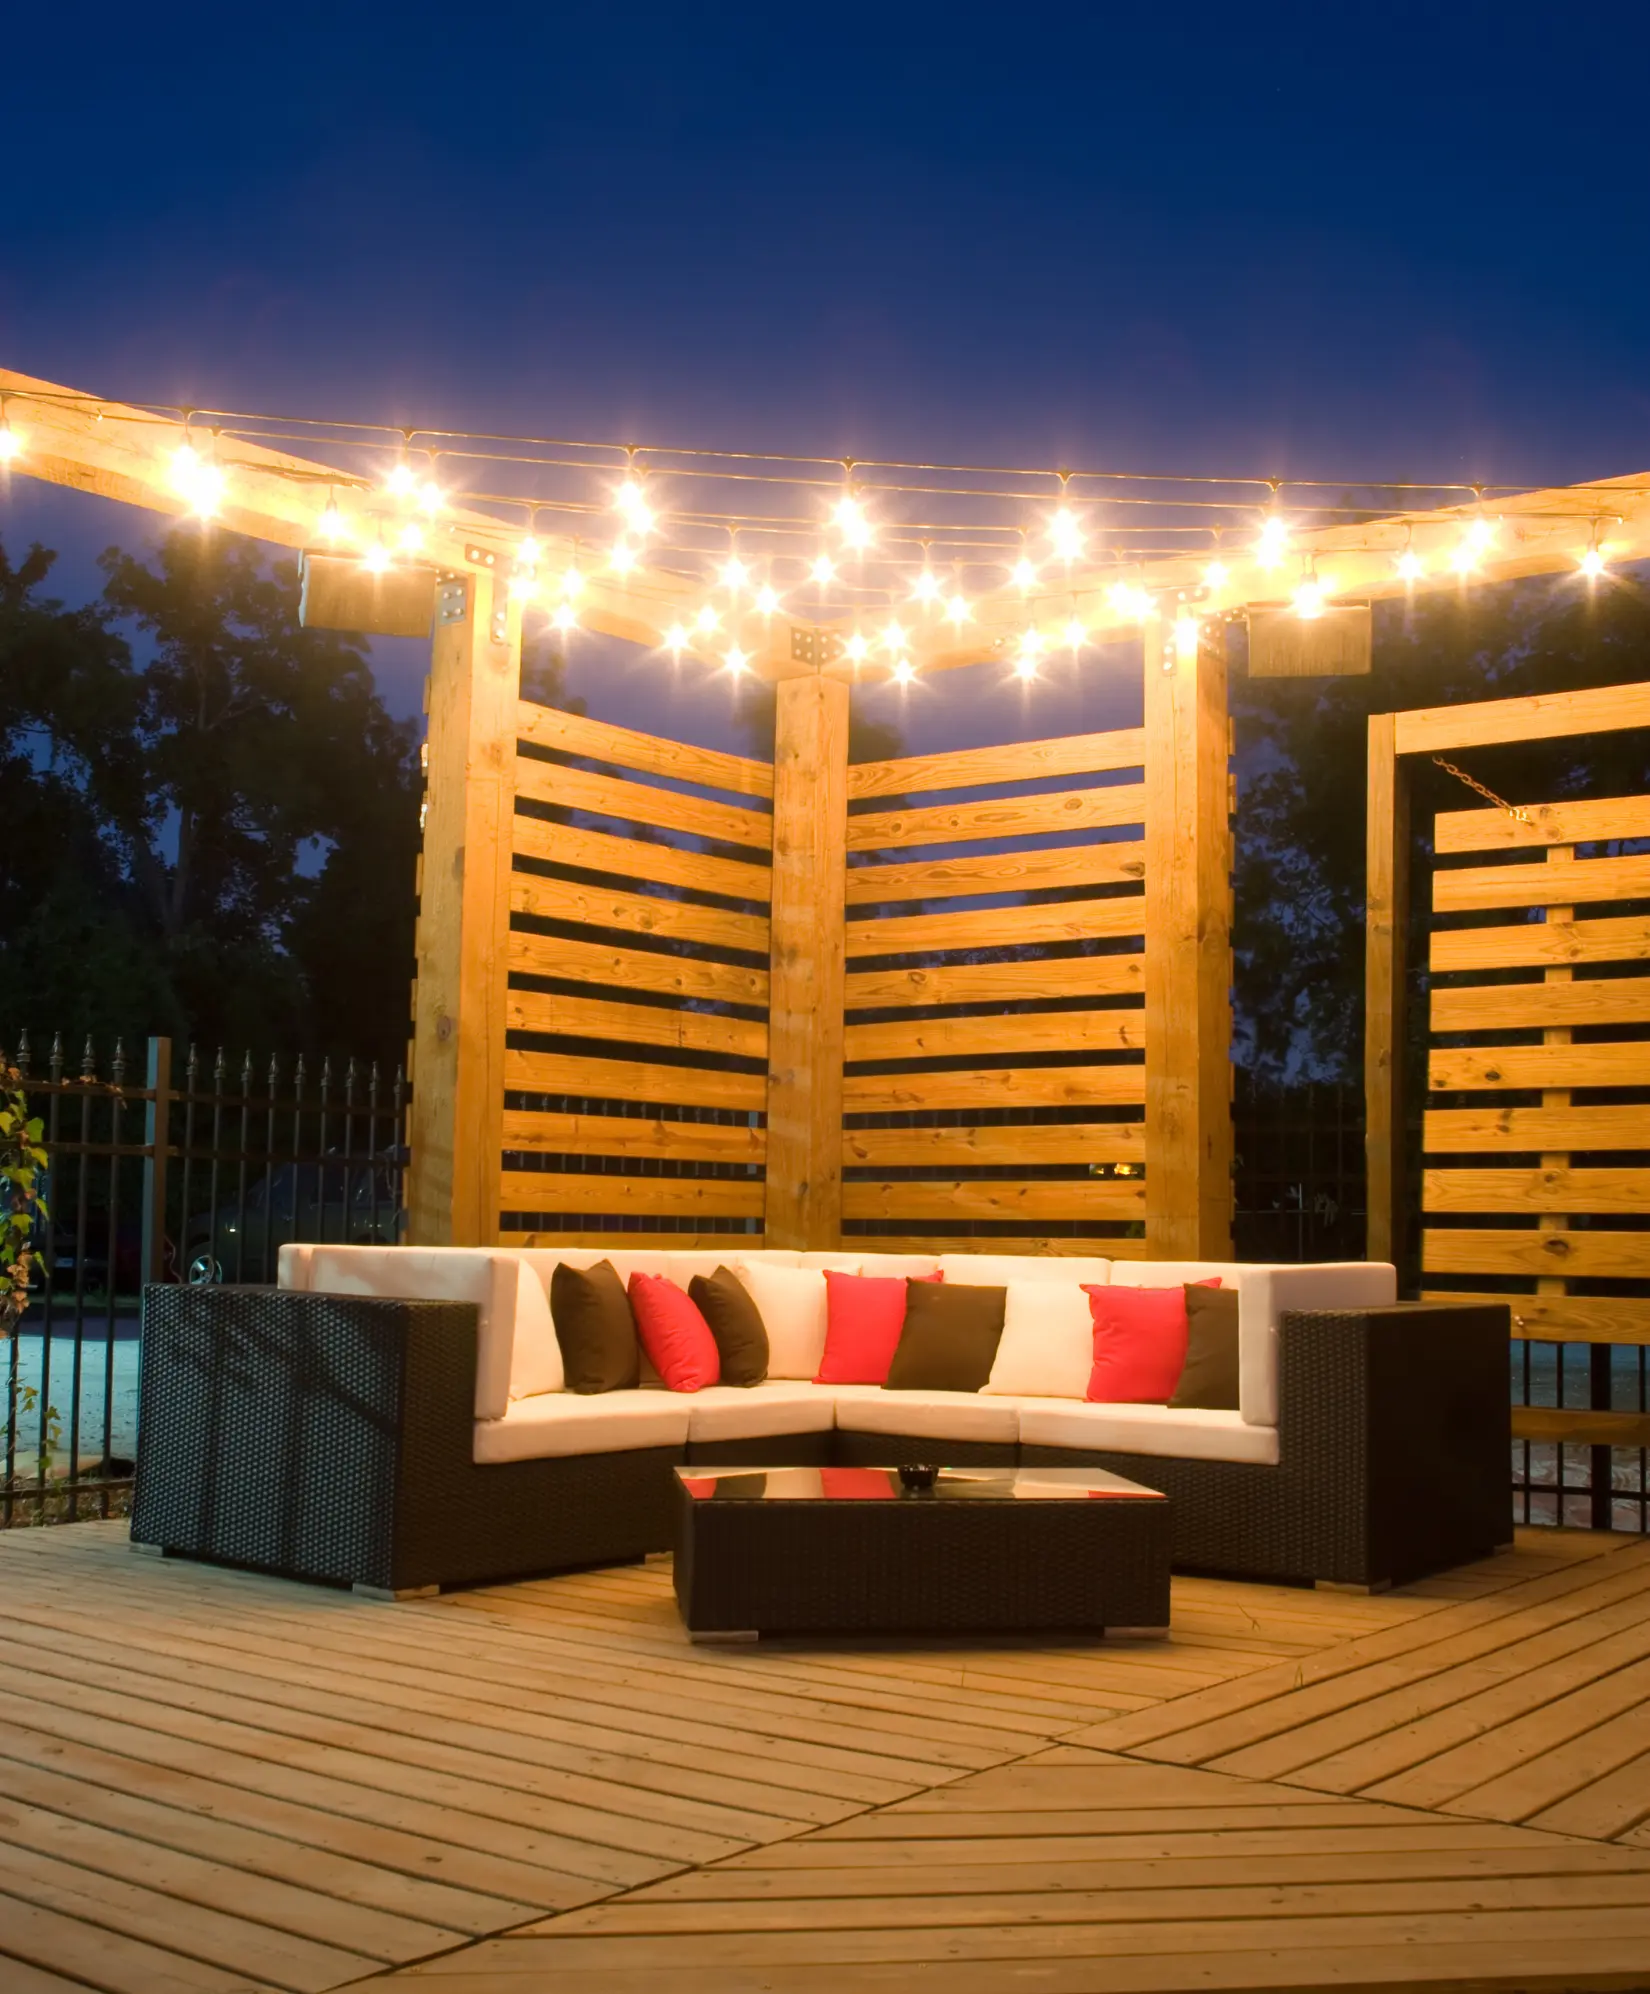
[768, 996]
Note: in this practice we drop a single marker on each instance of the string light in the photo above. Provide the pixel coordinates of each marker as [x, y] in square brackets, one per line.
[1066, 535]
[926, 588]
[1309, 602]
[565, 618]
[1025, 573]
[852, 524]
[733, 574]
[622, 558]
[376, 559]
[1464, 560]
[1216, 575]
[767, 599]
[1186, 639]
[331, 523]
[11, 443]
[200, 482]
[1481, 534]
[1031, 649]
[823, 570]
[707, 620]
[431, 497]
[676, 640]
[633, 506]
[857, 648]
[957, 611]
[411, 539]
[527, 554]
[736, 660]
[401, 483]
[904, 672]
[1273, 543]
[1410, 566]
[894, 637]
[523, 588]
[1592, 564]
[572, 582]
[1076, 634]
[1128, 599]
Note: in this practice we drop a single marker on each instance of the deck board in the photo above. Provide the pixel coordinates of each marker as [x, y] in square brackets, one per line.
[215, 1781]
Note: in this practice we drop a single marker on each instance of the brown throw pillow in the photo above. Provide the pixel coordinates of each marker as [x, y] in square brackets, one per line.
[736, 1323]
[594, 1326]
[949, 1340]
[1210, 1379]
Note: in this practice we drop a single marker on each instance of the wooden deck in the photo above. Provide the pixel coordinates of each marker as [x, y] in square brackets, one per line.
[214, 1782]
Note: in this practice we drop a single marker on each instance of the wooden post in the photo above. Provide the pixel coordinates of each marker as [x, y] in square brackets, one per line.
[1188, 1026]
[810, 849]
[464, 923]
[1385, 982]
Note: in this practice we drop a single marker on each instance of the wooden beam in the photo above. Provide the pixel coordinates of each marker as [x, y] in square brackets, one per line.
[463, 937]
[1188, 1018]
[1385, 957]
[1540, 716]
[806, 969]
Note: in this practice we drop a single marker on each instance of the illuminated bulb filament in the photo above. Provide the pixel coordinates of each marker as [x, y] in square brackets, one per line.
[1066, 535]
[707, 620]
[894, 637]
[736, 660]
[1185, 639]
[332, 522]
[1025, 573]
[572, 583]
[1076, 635]
[767, 600]
[1309, 599]
[623, 557]
[1410, 566]
[401, 480]
[1129, 600]
[852, 524]
[637, 512]
[858, 648]
[1465, 558]
[1274, 539]
[9, 443]
[528, 552]
[523, 588]
[926, 587]
[430, 497]
[676, 639]
[1217, 574]
[376, 560]
[1592, 564]
[904, 672]
[957, 611]
[823, 570]
[566, 618]
[411, 539]
[733, 574]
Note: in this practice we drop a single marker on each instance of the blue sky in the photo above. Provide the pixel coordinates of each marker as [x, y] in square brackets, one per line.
[1405, 242]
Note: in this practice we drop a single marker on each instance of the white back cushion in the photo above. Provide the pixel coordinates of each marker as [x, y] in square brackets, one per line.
[996, 1270]
[791, 1303]
[1265, 1293]
[1047, 1346]
[898, 1266]
[535, 1356]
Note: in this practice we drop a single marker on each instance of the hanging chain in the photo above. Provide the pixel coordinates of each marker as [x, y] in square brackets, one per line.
[1518, 815]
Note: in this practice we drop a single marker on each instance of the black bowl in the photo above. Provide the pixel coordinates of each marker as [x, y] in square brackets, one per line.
[917, 1478]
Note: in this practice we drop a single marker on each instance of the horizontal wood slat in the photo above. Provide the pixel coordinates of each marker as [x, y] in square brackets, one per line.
[1553, 1189]
[636, 969]
[1464, 889]
[1463, 1069]
[998, 872]
[635, 1024]
[603, 741]
[631, 1241]
[1102, 1247]
[636, 1136]
[1566, 1318]
[662, 1197]
[1542, 716]
[1616, 1000]
[1005, 817]
[642, 803]
[974, 1198]
[1580, 1428]
[1574, 823]
[633, 1080]
[997, 982]
[1035, 1031]
[1541, 944]
[641, 913]
[953, 1149]
[641, 858]
[1535, 1129]
[1591, 1256]
[1017, 761]
[992, 927]
[1112, 1086]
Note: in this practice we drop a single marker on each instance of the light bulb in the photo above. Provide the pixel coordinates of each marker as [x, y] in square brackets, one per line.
[857, 648]
[926, 587]
[401, 480]
[1309, 599]
[1075, 633]
[852, 524]
[528, 552]
[1482, 535]
[411, 539]
[736, 660]
[637, 512]
[622, 559]
[707, 620]
[1274, 539]
[894, 637]
[957, 611]
[1025, 573]
[1592, 564]
[1129, 600]
[904, 672]
[430, 497]
[1410, 566]
[1066, 535]
[332, 522]
[206, 490]
[9, 442]
[523, 588]
[565, 618]
[1216, 575]
[1031, 649]
[676, 639]
[1185, 639]
[733, 574]
[823, 570]
[1464, 560]
[767, 599]
[376, 559]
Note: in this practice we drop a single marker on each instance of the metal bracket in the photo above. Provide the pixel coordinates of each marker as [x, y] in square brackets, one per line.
[452, 602]
[811, 645]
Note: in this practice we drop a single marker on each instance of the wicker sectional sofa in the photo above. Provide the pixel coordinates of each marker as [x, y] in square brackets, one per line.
[407, 1404]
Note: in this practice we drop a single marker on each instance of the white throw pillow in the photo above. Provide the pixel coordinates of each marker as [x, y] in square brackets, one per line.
[1047, 1346]
[791, 1303]
[535, 1356]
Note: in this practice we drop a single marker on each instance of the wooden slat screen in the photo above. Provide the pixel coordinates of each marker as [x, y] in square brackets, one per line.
[995, 1086]
[1537, 1130]
[635, 1070]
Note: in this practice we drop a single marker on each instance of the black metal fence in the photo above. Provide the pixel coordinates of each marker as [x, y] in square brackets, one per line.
[198, 1175]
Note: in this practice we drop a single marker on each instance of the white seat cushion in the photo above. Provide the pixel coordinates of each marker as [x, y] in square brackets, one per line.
[557, 1423]
[756, 1412]
[996, 1270]
[926, 1415]
[1190, 1434]
[1047, 1345]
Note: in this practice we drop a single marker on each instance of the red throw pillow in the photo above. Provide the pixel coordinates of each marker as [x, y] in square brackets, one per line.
[1139, 1343]
[864, 1314]
[674, 1333]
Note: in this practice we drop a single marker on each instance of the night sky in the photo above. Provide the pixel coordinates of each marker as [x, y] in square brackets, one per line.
[1397, 241]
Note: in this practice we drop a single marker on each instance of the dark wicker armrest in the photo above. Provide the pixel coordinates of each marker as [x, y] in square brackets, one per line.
[1398, 1420]
[278, 1429]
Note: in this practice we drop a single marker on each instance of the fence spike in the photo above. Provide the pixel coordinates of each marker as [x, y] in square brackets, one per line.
[23, 1053]
[56, 1061]
[191, 1065]
[88, 1067]
[117, 1072]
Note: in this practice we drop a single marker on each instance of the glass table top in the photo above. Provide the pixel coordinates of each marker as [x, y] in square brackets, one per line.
[884, 1485]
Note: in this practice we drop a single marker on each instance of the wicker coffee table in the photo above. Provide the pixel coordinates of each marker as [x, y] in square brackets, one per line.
[851, 1550]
